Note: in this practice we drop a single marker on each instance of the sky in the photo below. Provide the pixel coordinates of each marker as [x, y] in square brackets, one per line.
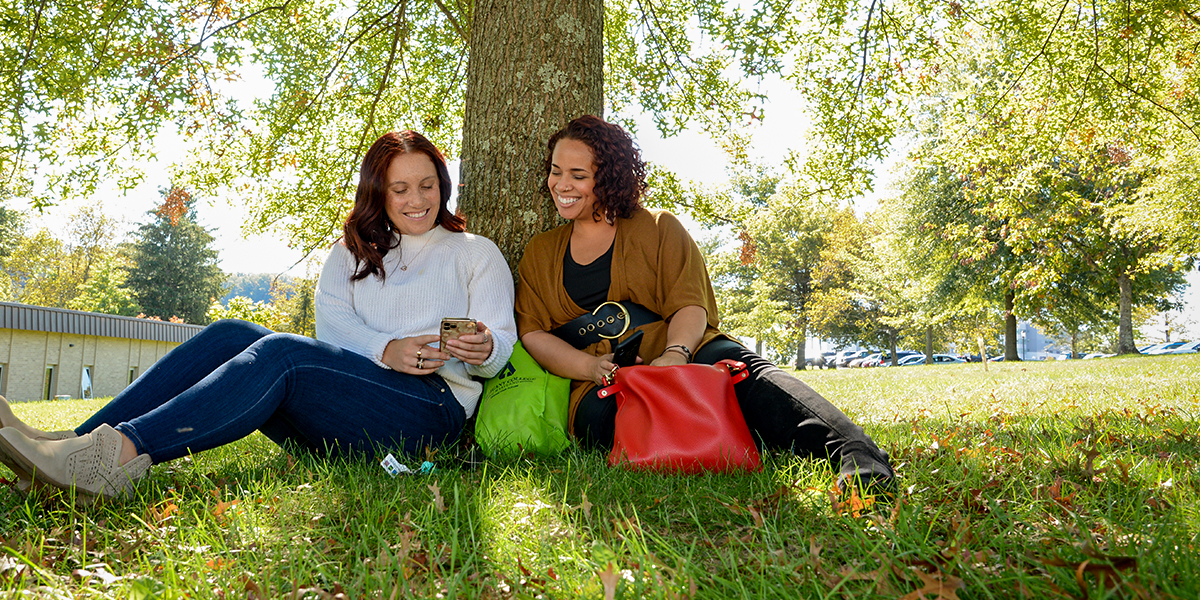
[691, 154]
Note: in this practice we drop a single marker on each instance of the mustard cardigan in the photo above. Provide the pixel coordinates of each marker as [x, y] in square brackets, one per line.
[656, 263]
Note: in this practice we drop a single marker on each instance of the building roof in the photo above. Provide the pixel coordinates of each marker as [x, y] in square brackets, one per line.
[61, 320]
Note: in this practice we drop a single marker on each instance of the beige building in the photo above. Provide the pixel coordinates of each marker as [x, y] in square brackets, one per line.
[48, 353]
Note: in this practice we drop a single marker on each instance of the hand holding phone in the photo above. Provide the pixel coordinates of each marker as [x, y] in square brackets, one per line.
[454, 328]
[625, 352]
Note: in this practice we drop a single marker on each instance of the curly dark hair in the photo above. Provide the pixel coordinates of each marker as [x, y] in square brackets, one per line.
[620, 171]
[367, 232]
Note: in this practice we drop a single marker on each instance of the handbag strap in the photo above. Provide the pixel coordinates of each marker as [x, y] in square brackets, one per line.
[737, 372]
[609, 321]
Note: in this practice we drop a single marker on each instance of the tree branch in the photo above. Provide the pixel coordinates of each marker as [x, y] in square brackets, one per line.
[453, 21]
[205, 36]
[1191, 128]
[1041, 52]
[397, 35]
[866, 32]
[19, 105]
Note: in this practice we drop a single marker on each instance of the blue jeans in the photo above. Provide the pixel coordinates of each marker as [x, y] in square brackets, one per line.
[235, 377]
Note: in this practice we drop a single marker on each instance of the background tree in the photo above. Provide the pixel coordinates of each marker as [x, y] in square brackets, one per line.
[255, 286]
[12, 227]
[175, 269]
[105, 291]
[46, 271]
[486, 79]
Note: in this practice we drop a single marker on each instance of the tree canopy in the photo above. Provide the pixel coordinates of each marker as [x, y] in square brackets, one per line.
[175, 272]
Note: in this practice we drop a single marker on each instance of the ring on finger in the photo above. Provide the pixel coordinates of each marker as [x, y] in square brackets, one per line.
[420, 363]
[419, 353]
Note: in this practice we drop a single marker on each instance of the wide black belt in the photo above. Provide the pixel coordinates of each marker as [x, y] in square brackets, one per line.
[609, 321]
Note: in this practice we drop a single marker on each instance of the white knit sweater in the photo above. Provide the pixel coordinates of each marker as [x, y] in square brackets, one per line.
[448, 275]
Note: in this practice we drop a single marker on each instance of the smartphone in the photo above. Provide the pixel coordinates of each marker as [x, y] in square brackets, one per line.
[453, 328]
[626, 351]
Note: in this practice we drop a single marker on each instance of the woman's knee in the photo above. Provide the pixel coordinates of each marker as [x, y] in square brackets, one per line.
[236, 328]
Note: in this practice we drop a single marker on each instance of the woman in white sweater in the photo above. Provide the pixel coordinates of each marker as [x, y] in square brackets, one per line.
[375, 378]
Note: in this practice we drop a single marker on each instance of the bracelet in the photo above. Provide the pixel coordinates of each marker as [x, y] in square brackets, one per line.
[681, 349]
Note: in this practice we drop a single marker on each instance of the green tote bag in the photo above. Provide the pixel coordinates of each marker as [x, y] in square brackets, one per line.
[523, 409]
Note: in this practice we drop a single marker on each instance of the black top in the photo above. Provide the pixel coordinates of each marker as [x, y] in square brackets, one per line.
[587, 285]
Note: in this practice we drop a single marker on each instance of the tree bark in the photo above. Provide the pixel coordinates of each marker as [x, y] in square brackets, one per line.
[803, 326]
[1010, 327]
[1125, 344]
[534, 66]
[929, 344]
[892, 346]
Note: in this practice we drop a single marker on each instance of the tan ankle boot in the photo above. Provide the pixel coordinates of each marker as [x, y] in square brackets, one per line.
[89, 464]
[8, 419]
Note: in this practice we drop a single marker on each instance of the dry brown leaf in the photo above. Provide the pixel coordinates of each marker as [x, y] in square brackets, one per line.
[851, 572]
[854, 506]
[940, 586]
[253, 591]
[586, 506]
[609, 578]
[224, 506]
[438, 503]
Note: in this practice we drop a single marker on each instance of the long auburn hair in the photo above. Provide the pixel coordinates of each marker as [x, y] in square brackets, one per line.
[620, 171]
[367, 232]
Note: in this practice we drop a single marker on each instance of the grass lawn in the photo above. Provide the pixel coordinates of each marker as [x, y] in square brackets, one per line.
[1073, 479]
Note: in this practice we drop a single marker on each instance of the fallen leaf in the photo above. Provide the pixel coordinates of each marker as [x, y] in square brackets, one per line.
[438, 503]
[253, 591]
[939, 586]
[224, 506]
[609, 577]
[586, 506]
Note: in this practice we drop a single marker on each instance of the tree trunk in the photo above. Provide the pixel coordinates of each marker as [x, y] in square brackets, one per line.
[892, 347]
[534, 65]
[929, 344]
[758, 347]
[1125, 343]
[1074, 342]
[802, 325]
[1010, 327]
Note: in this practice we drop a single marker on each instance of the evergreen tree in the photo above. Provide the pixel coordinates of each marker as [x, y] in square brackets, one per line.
[175, 272]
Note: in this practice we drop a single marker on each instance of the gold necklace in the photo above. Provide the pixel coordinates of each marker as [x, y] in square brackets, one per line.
[404, 265]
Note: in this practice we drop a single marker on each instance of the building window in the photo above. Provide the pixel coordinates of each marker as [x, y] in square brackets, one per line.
[85, 383]
[132, 374]
[50, 386]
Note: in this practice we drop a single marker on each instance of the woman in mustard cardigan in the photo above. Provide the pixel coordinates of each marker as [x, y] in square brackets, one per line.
[614, 250]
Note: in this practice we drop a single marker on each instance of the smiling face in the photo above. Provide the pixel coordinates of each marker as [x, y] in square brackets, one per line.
[413, 196]
[571, 179]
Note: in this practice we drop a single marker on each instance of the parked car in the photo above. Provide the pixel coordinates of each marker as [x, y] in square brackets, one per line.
[1163, 348]
[1092, 355]
[885, 358]
[823, 360]
[947, 359]
[870, 360]
[1188, 348]
[845, 356]
[938, 359]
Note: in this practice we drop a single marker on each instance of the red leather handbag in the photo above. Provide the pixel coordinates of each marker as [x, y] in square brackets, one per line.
[681, 418]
